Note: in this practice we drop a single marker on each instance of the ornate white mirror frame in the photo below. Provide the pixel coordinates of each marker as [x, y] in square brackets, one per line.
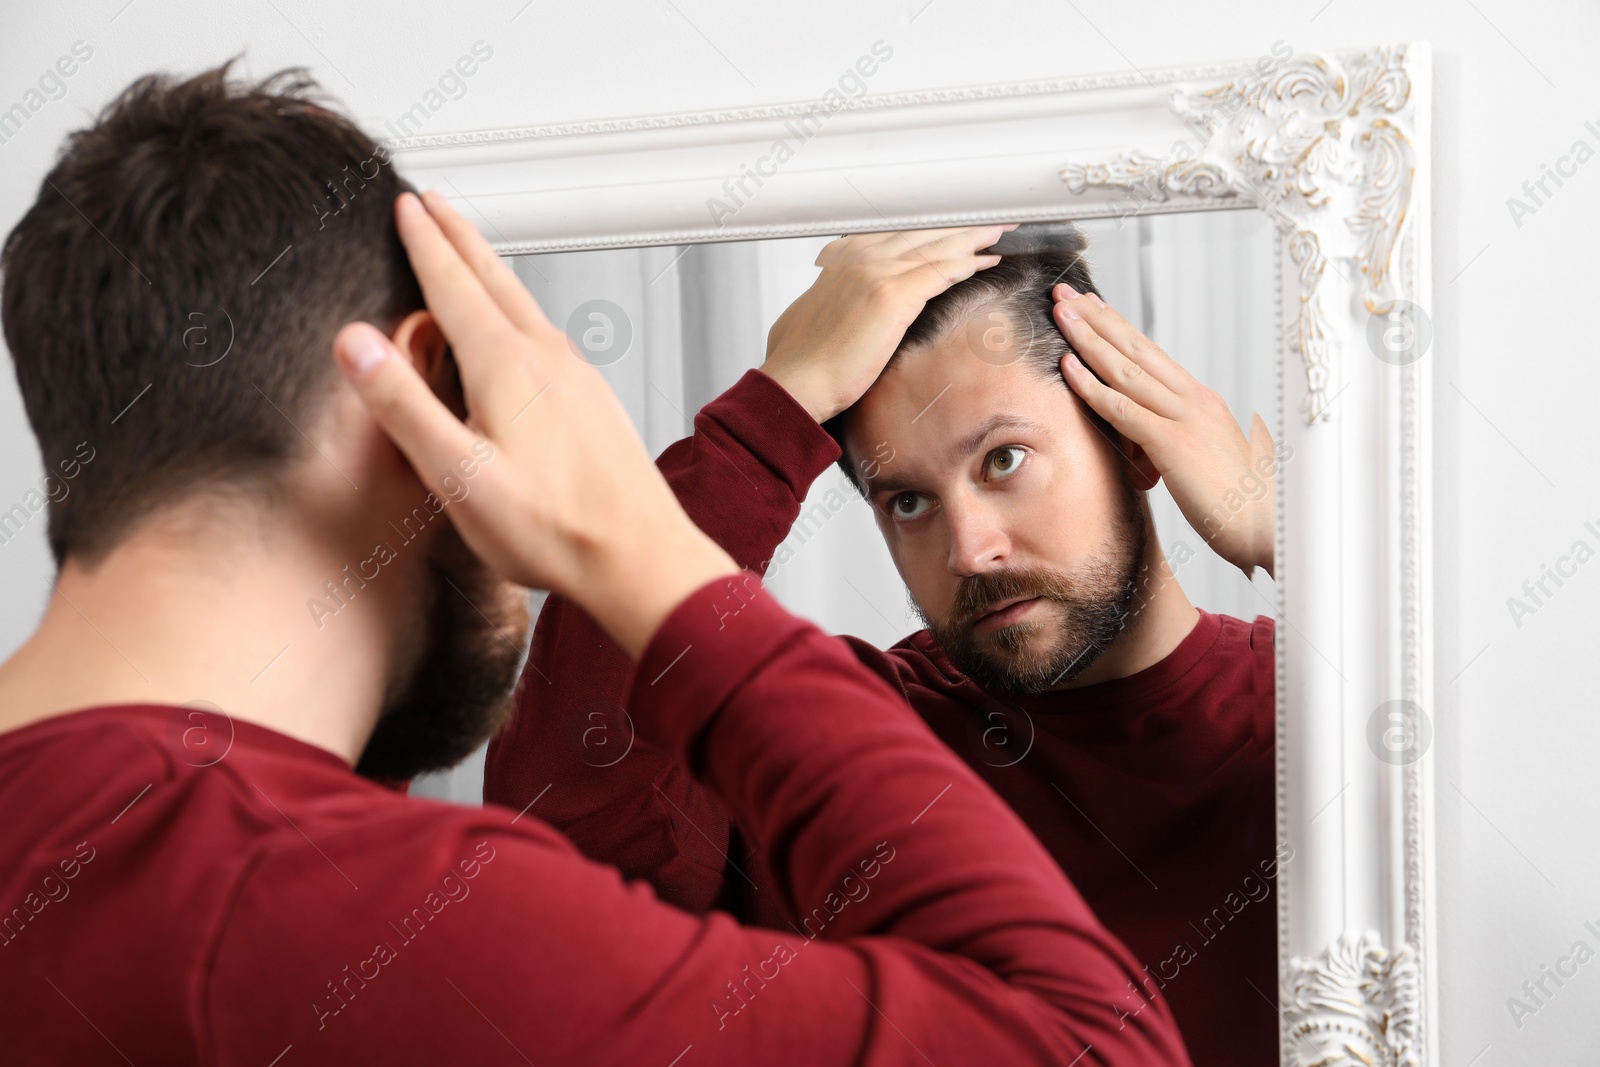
[1336, 149]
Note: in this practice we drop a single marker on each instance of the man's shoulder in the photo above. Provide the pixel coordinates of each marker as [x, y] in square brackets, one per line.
[324, 922]
[383, 864]
[919, 661]
[1257, 634]
[381, 829]
[1252, 643]
[212, 794]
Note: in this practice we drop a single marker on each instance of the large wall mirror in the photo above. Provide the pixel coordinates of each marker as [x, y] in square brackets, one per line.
[1265, 221]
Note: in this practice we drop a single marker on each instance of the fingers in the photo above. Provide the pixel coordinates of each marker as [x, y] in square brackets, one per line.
[898, 241]
[935, 265]
[1115, 369]
[1110, 324]
[1136, 423]
[845, 249]
[469, 316]
[502, 283]
[902, 243]
[895, 244]
[1264, 459]
[957, 243]
[1261, 446]
[418, 422]
[928, 279]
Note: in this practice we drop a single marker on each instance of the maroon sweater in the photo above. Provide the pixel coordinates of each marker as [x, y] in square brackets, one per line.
[264, 906]
[1153, 792]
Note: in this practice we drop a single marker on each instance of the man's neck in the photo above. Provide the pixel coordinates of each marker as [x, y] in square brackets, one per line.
[170, 618]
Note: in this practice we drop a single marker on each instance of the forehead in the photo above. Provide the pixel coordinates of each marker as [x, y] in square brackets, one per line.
[934, 398]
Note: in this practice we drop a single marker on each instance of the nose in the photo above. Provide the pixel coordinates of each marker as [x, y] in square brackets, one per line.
[978, 541]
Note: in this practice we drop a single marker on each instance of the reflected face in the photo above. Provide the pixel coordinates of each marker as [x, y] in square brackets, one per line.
[460, 670]
[1010, 515]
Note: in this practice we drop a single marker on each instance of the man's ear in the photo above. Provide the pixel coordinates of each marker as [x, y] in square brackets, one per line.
[1145, 474]
[419, 337]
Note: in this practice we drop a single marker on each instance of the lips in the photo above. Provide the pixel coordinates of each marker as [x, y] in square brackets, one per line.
[1002, 605]
[1001, 613]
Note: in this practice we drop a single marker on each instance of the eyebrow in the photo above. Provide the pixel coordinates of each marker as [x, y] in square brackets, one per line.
[960, 450]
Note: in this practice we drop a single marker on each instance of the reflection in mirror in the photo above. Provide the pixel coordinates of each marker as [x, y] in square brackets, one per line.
[673, 327]
[1007, 570]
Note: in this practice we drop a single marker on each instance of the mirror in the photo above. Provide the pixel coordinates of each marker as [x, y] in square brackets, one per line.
[1152, 786]
[1320, 164]
[672, 327]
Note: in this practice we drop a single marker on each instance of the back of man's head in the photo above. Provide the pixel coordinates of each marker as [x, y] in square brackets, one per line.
[172, 295]
[1010, 299]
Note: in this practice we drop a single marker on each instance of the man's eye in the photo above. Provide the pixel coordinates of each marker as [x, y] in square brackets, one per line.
[1003, 462]
[908, 505]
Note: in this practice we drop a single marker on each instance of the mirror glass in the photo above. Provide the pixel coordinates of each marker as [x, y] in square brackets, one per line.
[672, 327]
[1153, 787]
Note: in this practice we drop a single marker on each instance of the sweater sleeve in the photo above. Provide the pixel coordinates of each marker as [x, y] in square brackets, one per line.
[935, 929]
[571, 751]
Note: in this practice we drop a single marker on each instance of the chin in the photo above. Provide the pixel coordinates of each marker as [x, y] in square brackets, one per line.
[1027, 657]
[1031, 637]
[1022, 645]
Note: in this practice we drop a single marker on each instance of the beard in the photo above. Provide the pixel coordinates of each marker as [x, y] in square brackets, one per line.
[1087, 608]
[455, 690]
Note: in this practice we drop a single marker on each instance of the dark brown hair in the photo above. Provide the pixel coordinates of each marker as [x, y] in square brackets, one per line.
[172, 295]
[1018, 287]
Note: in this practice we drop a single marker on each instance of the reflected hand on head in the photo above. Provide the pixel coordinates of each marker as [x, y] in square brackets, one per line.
[1183, 431]
[570, 501]
[830, 345]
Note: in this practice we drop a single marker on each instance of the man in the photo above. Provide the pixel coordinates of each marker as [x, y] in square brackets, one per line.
[1062, 660]
[271, 572]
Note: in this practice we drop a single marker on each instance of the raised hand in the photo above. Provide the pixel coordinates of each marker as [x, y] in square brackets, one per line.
[571, 501]
[1222, 483]
[831, 344]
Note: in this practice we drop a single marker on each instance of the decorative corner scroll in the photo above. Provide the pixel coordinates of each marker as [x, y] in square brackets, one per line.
[1359, 1004]
[1321, 144]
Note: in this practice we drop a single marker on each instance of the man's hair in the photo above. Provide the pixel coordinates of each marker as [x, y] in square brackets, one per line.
[1018, 287]
[172, 295]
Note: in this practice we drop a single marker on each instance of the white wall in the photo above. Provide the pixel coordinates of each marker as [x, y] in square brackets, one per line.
[1516, 377]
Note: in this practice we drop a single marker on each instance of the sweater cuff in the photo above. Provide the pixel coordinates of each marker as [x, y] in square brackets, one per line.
[773, 426]
[702, 653]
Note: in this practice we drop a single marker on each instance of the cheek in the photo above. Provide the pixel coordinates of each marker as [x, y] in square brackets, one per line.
[1066, 516]
[922, 561]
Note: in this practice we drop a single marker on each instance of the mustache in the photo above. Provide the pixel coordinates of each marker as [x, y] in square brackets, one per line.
[978, 594]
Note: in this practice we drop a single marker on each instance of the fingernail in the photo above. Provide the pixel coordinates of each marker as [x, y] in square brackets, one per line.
[1071, 313]
[1071, 292]
[409, 202]
[1074, 361]
[365, 351]
[1096, 298]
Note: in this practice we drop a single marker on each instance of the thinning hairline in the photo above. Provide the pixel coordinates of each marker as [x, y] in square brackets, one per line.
[957, 317]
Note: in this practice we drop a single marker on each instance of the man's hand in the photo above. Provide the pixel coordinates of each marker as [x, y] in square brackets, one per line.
[571, 501]
[1221, 482]
[831, 344]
